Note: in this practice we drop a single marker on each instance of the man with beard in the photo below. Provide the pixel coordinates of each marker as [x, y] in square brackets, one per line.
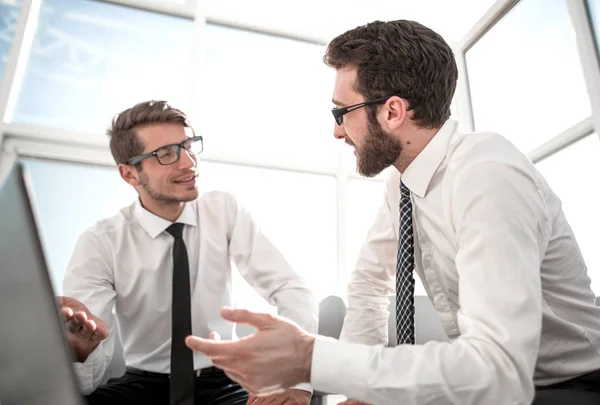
[163, 265]
[484, 231]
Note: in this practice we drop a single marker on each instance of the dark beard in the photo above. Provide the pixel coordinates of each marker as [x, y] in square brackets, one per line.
[378, 152]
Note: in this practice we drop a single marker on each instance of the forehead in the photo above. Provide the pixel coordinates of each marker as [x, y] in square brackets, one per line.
[344, 92]
[154, 136]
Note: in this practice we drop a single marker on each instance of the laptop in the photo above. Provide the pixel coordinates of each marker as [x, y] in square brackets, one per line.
[35, 357]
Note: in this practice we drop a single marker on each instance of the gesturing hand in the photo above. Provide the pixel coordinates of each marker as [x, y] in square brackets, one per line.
[84, 330]
[276, 357]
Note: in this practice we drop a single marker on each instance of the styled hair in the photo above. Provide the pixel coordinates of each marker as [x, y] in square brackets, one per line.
[401, 58]
[124, 142]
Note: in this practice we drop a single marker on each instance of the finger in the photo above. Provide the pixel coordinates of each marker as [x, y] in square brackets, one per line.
[76, 322]
[237, 378]
[100, 333]
[66, 312]
[88, 329]
[256, 319]
[213, 348]
[80, 317]
[215, 336]
[74, 326]
[275, 399]
[255, 400]
[251, 399]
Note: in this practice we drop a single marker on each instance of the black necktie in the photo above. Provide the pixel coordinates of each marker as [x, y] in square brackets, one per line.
[405, 282]
[182, 359]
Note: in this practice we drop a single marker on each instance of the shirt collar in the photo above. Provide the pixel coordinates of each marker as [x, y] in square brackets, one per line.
[155, 225]
[419, 173]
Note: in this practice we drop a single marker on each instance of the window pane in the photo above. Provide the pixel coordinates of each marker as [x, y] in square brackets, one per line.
[525, 76]
[572, 173]
[266, 98]
[92, 59]
[365, 198]
[9, 15]
[296, 211]
[71, 198]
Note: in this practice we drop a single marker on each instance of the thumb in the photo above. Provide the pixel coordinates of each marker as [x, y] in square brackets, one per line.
[256, 319]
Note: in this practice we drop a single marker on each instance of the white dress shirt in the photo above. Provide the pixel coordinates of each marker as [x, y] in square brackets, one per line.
[125, 262]
[502, 268]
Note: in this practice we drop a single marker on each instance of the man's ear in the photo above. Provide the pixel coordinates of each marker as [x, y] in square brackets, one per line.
[130, 174]
[395, 113]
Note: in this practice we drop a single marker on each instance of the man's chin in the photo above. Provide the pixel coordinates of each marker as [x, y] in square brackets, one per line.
[368, 171]
[190, 196]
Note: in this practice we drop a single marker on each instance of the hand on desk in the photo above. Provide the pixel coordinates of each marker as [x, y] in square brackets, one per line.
[84, 330]
[289, 397]
[276, 357]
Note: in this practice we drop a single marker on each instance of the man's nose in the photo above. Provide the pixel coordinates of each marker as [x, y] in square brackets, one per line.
[186, 160]
[338, 131]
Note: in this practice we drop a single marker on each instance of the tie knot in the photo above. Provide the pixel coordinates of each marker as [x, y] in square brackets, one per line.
[404, 190]
[176, 230]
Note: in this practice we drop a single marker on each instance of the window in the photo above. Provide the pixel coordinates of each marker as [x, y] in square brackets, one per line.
[525, 77]
[71, 198]
[91, 59]
[572, 174]
[274, 105]
[593, 7]
[9, 15]
[364, 200]
[296, 211]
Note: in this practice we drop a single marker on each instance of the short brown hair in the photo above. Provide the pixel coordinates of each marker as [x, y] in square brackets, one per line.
[124, 143]
[401, 58]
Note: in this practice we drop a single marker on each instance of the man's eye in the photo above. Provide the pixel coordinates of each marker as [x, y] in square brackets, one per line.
[164, 152]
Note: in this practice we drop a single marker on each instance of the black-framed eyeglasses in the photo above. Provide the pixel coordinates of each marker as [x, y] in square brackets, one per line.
[169, 154]
[339, 112]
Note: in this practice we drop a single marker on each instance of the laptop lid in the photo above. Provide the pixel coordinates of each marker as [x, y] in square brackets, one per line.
[35, 357]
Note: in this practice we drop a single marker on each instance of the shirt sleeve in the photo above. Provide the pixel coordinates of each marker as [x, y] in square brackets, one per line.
[502, 226]
[371, 283]
[263, 266]
[89, 279]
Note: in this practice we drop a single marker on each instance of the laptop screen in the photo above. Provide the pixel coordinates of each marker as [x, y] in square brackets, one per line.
[35, 358]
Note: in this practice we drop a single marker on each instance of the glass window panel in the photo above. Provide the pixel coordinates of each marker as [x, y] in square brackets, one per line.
[91, 59]
[451, 19]
[9, 15]
[571, 173]
[525, 75]
[365, 198]
[266, 98]
[593, 7]
[70, 199]
[296, 211]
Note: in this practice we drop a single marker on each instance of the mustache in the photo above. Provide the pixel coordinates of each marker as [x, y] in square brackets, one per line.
[349, 142]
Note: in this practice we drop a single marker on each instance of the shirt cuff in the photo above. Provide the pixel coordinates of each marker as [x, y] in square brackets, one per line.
[85, 371]
[303, 387]
[339, 367]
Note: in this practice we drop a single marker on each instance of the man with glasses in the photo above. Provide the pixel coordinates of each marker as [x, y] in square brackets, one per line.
[163, 265]
[479, 225]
